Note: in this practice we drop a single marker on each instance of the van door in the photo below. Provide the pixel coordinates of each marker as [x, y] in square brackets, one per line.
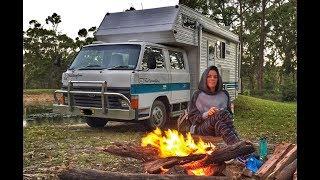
[179, 76]
[152, 82]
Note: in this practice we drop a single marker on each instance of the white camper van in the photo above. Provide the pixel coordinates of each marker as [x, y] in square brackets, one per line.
[146, 65]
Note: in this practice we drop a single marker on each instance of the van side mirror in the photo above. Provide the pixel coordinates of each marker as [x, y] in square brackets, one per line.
[151, 64]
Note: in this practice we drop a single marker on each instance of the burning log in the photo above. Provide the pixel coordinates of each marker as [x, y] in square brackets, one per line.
[209, 170]
[175, 170]
[240, 148]
[148, 153]
[156, 166]
[97, 174]
[218, 156]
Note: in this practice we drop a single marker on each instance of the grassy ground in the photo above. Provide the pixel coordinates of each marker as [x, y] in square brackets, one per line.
[52, 146]
[255, 118]
[49, 147]
[38, 91]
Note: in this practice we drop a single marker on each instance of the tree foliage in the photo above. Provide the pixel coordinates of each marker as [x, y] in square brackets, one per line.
[43, 45]
[267, 31]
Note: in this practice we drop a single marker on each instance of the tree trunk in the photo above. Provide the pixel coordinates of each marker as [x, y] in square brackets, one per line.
[251, 79]
[261, 47]
[287, 65]
[241, 43]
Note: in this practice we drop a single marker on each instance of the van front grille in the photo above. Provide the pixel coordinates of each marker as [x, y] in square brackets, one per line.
[85, 100]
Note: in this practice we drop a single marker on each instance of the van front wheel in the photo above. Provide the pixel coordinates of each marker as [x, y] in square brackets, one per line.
[96, 122]
[158, 116]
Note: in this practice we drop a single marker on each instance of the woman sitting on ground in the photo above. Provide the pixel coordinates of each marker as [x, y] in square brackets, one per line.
[209, 109]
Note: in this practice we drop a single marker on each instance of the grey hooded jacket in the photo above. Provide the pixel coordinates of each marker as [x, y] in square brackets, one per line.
[203, 99]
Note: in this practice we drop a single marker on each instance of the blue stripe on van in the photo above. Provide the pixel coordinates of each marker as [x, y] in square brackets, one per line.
[150, 88]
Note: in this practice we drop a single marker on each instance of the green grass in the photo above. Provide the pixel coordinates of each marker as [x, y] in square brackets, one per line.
[256, 117]
[38, 91]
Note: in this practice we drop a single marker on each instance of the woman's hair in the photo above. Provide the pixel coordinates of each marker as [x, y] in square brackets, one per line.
[203, 82]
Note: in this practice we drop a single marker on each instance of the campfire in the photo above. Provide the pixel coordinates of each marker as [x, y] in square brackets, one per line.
[171, 143]
[172, 153]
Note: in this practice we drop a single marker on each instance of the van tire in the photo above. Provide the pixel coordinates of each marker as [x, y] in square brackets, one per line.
[96, 122]
[158, 116]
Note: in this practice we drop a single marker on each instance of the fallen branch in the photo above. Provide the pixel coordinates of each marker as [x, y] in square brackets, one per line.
[96, 174]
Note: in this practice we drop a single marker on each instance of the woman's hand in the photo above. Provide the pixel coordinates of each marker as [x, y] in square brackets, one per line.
[212, 111]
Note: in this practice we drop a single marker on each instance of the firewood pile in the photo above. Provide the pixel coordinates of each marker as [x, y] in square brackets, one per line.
[282, 164]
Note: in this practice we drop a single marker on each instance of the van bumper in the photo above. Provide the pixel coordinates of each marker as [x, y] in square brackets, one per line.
[116, 114]
[70, 108]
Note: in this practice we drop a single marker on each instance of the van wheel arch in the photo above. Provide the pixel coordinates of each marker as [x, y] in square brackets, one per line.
[165, 101]
[159, 104]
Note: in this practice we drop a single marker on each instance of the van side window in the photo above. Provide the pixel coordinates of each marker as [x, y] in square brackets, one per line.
[176, 60]
[153, 52]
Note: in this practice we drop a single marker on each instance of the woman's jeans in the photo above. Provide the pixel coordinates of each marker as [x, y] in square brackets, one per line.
[220, 124]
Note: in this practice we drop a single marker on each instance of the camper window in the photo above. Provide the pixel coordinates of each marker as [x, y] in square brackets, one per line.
[151, 52]
[211, 52]
[188, 22]
[221, 46]
[176, 60]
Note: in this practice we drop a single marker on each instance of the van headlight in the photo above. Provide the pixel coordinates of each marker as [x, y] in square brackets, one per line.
[124, 103]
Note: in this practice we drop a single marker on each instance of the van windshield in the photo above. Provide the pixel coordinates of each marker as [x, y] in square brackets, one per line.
[119, 56]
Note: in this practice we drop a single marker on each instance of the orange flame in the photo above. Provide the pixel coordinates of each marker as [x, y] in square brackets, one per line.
[197, 168]
[205, 171]
[175, 144]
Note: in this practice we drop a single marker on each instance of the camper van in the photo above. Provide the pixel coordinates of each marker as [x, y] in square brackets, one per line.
[146, 65]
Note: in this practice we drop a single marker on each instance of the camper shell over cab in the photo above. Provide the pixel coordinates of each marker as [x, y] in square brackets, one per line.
[146, 66]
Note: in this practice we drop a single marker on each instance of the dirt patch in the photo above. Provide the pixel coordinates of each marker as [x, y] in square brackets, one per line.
[34, 99]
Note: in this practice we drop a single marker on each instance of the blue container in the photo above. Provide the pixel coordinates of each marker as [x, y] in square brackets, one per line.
[253, 163]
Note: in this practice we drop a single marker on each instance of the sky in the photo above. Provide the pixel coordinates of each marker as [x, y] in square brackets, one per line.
[77, 14]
